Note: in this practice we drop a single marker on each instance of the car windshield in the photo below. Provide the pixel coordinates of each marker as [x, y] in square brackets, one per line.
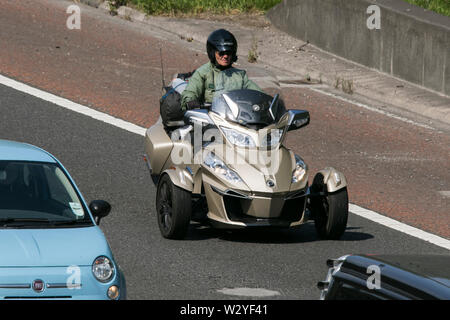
[39, 195]
[250, 108]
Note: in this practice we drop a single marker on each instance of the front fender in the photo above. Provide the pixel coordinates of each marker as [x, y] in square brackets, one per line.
[181, 178]
[334, 180]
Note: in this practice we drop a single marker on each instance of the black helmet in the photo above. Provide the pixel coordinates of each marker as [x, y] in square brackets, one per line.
[221, 40]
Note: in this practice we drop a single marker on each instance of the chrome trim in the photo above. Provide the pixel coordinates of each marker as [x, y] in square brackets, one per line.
[334, 267]
[231, 193]
[48, 286]
[15, 286]
[275, 99]
[63, 285]
[270, 183]
[233, 106]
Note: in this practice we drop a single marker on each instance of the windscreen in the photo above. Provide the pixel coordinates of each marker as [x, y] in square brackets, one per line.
[32, 193]
[250, 108]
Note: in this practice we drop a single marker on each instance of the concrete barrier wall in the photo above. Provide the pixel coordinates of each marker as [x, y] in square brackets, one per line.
[411, 43]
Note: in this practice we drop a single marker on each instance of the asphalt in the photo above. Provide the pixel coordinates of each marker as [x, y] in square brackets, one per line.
[106, 163]
[394, 166]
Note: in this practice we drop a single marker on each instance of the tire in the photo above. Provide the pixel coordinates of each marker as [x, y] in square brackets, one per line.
[330, 210]
[173, 209]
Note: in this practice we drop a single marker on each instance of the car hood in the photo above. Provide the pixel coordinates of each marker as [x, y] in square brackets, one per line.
[51, 247]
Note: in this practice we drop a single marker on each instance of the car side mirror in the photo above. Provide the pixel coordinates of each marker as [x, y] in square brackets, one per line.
[197, 116]
[297, 119]
[99, 209]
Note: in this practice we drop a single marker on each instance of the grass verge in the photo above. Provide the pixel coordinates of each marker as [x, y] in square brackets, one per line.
[439, 6]
[195, 7]
[176, 7]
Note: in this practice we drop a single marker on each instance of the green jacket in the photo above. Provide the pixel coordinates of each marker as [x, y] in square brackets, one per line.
[208, 81]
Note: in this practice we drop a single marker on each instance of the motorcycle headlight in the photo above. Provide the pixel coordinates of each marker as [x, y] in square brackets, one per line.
[238, 138]
[272, 138]
[217, 165]
[300, 169]
[103, 269]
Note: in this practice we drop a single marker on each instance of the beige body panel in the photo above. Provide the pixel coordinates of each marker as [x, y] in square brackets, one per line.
[255, 173]
[181, 169]
[263, 207]
[158, 147]
[334, 179]
[216, 208]
[264, 202]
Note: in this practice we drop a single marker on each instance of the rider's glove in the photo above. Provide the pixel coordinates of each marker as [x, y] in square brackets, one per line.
[193, 104]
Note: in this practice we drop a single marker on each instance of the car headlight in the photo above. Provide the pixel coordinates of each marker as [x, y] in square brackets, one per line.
[272, 138]
[300, 169]
[103, 269]
[238, 138]
[217, 165]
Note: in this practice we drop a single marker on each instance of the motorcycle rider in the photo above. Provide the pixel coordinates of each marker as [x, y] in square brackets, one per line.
[218, 75]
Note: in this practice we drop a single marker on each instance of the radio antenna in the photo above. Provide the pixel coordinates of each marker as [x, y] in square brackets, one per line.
[162, 68]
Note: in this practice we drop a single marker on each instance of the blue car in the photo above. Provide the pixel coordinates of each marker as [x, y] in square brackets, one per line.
[50, 244]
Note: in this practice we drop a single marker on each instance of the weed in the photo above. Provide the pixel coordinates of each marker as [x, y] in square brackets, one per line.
[252, 52]
[439, 6]
[337, 82]
[116, 4]
[346, 85]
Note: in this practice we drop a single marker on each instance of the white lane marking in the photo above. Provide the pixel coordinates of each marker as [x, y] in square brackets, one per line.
[301, 85]
[65, 103]
[445, 193]
[365, 106]
[249, 292]
[391, 223]
[399, 226]
[400, 158]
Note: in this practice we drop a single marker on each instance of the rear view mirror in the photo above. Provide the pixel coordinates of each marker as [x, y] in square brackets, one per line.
[297, 119]
[99, 209]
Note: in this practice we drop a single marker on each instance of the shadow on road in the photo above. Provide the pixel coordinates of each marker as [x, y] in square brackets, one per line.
[301, 234]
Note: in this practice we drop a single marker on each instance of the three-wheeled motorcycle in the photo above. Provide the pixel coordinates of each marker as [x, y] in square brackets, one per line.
[226, 164]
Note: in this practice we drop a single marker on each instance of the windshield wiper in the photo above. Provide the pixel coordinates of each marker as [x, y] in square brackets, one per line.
[5, 222]
[9, 220]
[65, 222]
